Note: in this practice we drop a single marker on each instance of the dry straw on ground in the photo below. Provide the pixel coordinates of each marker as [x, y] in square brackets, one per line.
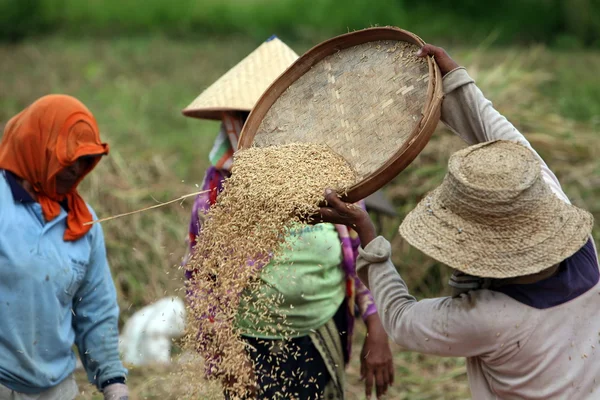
[269, 191]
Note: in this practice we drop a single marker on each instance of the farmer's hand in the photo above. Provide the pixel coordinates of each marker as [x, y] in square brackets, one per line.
[376, 362]
[443, 60]
[338, 212]
[116, 391]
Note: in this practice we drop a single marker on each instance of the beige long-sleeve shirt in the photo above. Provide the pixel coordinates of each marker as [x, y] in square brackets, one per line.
[513, 351]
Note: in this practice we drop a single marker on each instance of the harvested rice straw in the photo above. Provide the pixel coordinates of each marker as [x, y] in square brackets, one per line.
[146, 208]
[270, 190]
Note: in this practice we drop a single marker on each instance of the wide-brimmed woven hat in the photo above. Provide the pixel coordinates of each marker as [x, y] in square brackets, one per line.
[495, 217]
[241, 86]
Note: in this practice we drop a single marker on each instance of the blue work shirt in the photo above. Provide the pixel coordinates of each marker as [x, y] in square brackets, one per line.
[53, 294]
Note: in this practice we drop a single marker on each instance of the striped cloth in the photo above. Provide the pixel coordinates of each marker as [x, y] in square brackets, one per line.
[221, 158]
[226, 143]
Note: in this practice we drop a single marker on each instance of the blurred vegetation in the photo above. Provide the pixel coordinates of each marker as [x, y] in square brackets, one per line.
[137, 64]
[137, 87]
[563, 23]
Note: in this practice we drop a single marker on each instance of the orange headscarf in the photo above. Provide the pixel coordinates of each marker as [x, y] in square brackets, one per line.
[46, 137]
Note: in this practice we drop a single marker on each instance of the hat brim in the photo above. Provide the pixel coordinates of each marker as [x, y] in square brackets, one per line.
[505, 249]
[215, 113]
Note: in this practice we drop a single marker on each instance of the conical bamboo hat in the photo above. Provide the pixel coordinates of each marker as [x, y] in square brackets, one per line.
[241, 87]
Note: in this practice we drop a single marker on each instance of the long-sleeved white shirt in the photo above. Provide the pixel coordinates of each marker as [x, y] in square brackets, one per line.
[513, 351]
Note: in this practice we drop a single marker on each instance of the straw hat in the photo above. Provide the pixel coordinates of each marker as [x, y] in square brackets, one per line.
[240, 88]
[495, 217]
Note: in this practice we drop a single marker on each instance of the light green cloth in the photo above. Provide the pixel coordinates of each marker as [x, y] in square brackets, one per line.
[307, 282]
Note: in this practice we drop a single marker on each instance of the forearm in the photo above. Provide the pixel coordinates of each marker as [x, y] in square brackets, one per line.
[365, 229]
[382, 279]
[432, 326]
[96, 315]
[373, 322]
[98, 342]
[470, 115]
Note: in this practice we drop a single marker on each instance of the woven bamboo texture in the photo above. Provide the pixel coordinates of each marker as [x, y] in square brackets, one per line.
[364, 94]
[240, 87]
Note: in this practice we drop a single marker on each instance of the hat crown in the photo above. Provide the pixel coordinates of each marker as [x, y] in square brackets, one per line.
[495, 179]
[496, 166]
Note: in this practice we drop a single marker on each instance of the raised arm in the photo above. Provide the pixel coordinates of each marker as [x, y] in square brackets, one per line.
[471, 116]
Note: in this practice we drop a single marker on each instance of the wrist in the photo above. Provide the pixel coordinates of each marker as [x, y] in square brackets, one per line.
[374, 324]
[372, 319]
[447, 67]
[445, 62]
[365, 230]
[366, 236]
[119, 379]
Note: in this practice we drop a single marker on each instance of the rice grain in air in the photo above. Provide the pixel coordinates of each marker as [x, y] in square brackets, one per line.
[270, 190]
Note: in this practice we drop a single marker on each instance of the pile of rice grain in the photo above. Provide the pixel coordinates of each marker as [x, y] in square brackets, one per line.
[270, 189]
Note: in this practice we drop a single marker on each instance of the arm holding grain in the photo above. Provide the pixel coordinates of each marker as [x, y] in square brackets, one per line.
[444, 326]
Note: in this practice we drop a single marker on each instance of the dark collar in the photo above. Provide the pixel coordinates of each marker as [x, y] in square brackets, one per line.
[19, 193]
[576, 275]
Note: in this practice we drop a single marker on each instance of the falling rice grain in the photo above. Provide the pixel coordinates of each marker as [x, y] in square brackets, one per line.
[270, 191]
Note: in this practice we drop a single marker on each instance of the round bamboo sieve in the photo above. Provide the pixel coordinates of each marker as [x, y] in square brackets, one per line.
[364, 94]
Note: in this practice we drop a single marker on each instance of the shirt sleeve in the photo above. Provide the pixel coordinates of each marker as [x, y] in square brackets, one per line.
[96, 315]
[471, 116]
[480, 323]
